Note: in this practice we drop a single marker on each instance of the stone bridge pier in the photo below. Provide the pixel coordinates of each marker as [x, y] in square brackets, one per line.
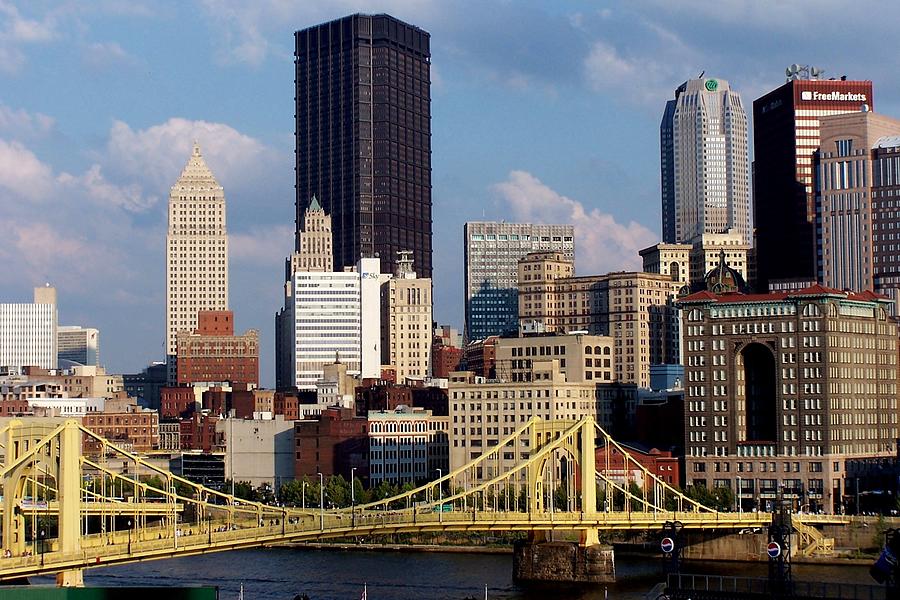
[586, 561]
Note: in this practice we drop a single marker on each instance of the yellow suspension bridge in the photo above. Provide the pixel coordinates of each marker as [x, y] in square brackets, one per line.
[50, 496]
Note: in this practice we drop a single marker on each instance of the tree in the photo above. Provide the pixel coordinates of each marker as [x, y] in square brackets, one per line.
[337, 492]
[291, 493]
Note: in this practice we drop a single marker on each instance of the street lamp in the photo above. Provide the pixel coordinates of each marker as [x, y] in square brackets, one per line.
[352, 490]
[304, 494]
[321, 501]
[738, 495]
[41, 543]
[129, 536]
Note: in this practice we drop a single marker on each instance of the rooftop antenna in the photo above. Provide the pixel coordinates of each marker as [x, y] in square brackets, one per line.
[702, 73]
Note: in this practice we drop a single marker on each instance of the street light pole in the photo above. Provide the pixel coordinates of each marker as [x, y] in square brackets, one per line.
[41, 542]
[304, 494]
[738, 494]
[129, 536]
[352, 490]
[440, 497]
[321, 501]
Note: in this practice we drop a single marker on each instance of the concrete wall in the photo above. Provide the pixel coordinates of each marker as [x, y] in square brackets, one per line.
[258, 451]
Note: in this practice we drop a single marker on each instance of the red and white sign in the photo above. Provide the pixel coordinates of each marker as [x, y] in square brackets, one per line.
[667, 544]
[773, 550]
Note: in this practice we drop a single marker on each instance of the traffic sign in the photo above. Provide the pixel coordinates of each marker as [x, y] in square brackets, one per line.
[667, 544]
[773, 550]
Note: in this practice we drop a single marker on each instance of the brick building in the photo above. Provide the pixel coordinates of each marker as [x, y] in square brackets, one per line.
[213, 353]
[177, 402]
[480, 356]
[661, 463]
[332, 445]
[125, 425]
[198, 432]
[444, 359]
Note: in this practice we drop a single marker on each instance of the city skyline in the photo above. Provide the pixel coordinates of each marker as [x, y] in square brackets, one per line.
[85, 165]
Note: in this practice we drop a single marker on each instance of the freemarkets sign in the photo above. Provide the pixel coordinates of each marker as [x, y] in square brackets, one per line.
[832, 96]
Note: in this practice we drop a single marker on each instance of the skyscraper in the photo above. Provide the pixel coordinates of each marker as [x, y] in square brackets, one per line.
[196, 252]
[492, 257]
[28, 331]
[363, 136]
[785, 136]
[78, 344]
[847, 226]
[704, 163]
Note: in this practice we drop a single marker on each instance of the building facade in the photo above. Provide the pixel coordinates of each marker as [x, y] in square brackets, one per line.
[79, 345]
[28, 331]
[363, 136]
[785, 137]
[635, 309]
[406, 335]
[782, 389]
[845, 225]
[886, 218]
[704, 162]
[196, 252]
[260, 451]
[212, 352]
[581, 357]
[492, 253]
[687, 264]
[406, 445]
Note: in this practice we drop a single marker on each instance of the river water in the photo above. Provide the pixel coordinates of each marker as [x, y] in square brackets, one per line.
[282, 573]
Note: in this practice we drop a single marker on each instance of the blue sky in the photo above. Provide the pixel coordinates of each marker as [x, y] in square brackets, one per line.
[544, 111]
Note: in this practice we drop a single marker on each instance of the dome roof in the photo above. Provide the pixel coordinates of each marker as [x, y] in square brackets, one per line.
[723, 279]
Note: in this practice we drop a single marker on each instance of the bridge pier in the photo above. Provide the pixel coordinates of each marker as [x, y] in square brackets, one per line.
[587, 561]
[73, 578]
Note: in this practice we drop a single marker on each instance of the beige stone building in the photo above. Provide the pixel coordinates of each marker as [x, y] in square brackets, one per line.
[196, 252]
[581, 357]
[406, 309]
[688, 263]
[848, 228]
[782, 389]
[484, 412]
[635, 309]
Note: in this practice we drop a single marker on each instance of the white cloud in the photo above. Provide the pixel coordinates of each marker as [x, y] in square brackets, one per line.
[129, 197]
[22, 124]
[262, 245]
[608, 71]
[106, 55]
[17, 30]
[602, 244]
[157, 154]
[22, 173]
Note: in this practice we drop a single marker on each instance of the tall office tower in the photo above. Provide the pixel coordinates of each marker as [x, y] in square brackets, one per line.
[78, 345]
[327, 315]
[704, 163]
[782, 389]
[406, 322]
[492, 253]
[886, 217]
[846, 224]
[196, 252]
[785, 136]
[363, 136]
[28, 331]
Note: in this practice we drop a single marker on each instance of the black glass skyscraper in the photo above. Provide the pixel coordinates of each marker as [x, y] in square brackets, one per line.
[363, 136]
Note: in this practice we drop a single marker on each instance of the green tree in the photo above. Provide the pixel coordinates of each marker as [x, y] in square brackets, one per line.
[337, 492]
[291, 493]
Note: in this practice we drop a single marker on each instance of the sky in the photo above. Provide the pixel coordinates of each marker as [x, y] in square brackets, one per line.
[541, 111]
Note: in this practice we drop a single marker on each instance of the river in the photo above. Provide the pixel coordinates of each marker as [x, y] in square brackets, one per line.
[281, 573]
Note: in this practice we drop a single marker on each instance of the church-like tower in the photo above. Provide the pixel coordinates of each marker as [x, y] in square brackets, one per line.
[196, 252]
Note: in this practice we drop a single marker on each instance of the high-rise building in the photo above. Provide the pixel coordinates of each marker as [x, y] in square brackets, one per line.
[785, 136]
[406, 333]
[886, 217]
[328, 316]
[363, 136]
[196, 252]
[492, 253]
[78, 344]
[635, 309]
[846, 225]
[704, 162]
[28, 331]
[781, 389]
[687, 264]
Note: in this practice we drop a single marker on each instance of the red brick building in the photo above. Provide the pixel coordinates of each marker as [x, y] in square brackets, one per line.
[132, 429]
[444, 359]
[286, 404]
[659, 462]
[382, 396]
[481, 357]
[213, 353]
[198, 432]
[332, 445]
[176, 402]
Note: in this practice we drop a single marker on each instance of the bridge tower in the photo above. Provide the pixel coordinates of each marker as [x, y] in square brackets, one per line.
[36, 453]
[540, 558]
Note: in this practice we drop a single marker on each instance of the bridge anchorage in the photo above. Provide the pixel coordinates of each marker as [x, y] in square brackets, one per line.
[64, 512]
